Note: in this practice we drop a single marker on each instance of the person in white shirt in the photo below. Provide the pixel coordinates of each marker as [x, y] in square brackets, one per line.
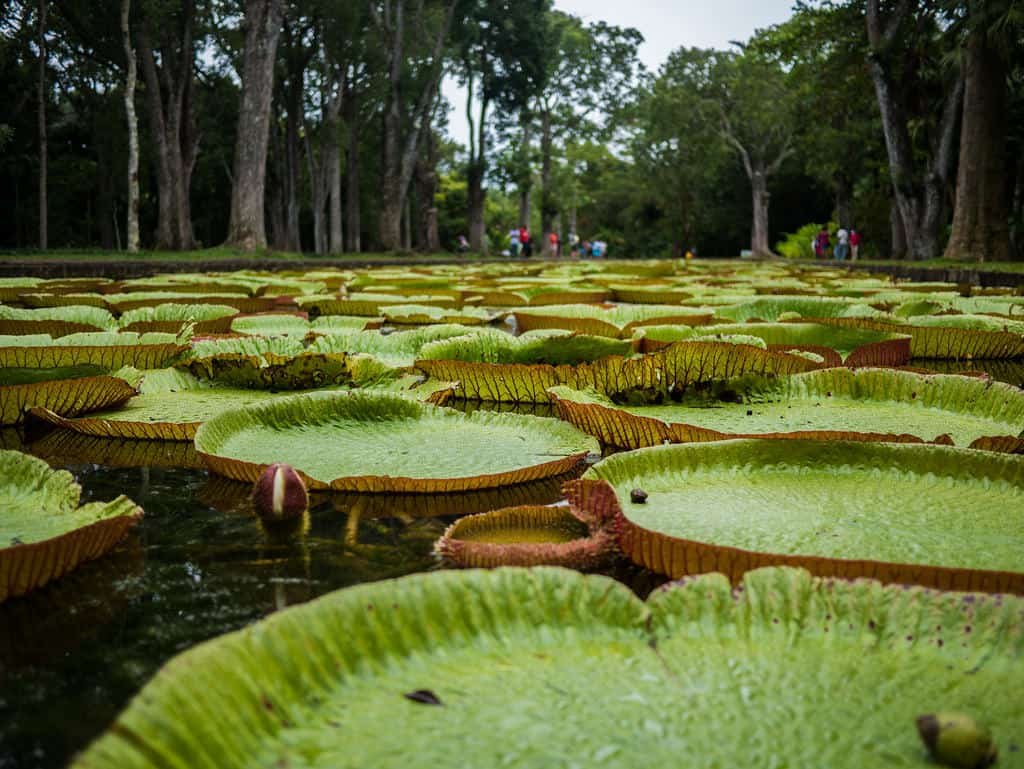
[842, 244]
[513, 242]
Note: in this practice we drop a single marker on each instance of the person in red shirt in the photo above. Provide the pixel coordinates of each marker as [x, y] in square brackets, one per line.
[553, 242]
[524, 242]
[854, 244]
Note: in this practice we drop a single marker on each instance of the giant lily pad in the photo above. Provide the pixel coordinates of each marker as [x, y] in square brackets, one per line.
[770, 308]
[107, 350]
[136, 300]
[547, 668]
[376, 442]
[866, 404]
[367, 304]
[55, 321]
[172, 404]
[945, 341]
[68, 394]
[530, 535]
[676, 367]
[422, 315]
[838, 346]
[44, 534]
[279, 363]
[608, 320]
[930, 515]
[172, 318]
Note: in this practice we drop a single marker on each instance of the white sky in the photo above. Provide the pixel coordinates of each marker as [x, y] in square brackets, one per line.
[665, 25]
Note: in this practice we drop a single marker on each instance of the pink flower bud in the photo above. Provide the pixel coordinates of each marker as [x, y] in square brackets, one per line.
[280, 493]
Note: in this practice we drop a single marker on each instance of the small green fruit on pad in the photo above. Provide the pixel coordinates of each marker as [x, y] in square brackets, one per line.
[932, 515]
[548, 668]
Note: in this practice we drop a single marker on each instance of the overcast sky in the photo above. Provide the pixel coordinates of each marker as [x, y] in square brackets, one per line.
[665, 25]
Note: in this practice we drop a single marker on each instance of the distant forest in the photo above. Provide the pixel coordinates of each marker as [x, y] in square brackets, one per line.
[319, 126]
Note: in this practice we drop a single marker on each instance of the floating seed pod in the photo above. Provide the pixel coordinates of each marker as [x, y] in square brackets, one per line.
[956, 739]
[280, 493]
[638, 496]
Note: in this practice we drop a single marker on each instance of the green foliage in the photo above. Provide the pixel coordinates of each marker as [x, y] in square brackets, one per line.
[797, 245]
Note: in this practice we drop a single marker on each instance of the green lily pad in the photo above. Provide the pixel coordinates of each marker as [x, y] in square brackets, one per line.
[421, 315]
[171, 405]
[43, 532]
[930, 515]
[553, 347]
[55, 321]
[396, 350]
[607, 320]
[70, 395]
[379, 442]
[276, 363]
[171, 318]
[549, 668]
[769, 308]
[529, 535]
[295, 325]
[947, 340]
[879, 404]
[108, 350]
[852, 346]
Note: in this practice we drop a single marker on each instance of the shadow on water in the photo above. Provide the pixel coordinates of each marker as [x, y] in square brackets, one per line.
[199, 564]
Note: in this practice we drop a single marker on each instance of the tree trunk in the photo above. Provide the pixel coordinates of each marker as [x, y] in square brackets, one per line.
[44, 229]
[292, 179]
[132, 230]
[759, 228]
[981, 216]
[353, 216]
[336, 243]
[477, 199]
[277, 174]
[168, 93]
[547, 200]
[898, 248]
[407, 224]
[476, 195]
[918, 190]
[525, 170]
[318, 193]
[262, 30]
[400, 148]
[426, 190]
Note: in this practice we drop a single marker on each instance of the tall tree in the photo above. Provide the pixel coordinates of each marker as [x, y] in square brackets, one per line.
[168, 67]
[44, 228]
[500, 64]
[132, 229]
[981, 229]
[262, 23]
[675, 148]
[840, 140]
[586, 70]
[756, 116]
[407, 45]
[898, 41]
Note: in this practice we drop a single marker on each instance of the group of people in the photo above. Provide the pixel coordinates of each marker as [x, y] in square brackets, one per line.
[520, 243]
[847, 244]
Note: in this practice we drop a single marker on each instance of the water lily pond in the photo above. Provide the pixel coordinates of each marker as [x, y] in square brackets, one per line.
[830, 462]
